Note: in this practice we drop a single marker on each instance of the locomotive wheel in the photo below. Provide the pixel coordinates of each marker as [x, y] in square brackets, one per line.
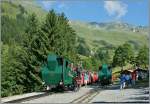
[60, 88]
[48, 88]
[74, 86]
[65, 88]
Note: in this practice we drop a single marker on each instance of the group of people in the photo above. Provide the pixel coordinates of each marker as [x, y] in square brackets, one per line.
[78, 71]
[127, 79]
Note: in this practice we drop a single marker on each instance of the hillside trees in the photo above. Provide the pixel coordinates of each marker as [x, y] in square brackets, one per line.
[142, 58]
[12, 28]
[61, 38]
[129, 51]
[33, 55]
[12, 70]
[95, 63]
[82, 47]
[123, 55]
[103, 55]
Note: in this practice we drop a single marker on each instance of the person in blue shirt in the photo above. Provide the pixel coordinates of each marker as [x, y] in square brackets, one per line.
[127, 79]
[122, 81]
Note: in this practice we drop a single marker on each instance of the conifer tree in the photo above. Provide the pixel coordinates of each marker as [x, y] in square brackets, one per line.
[142, 58]
[31, 58]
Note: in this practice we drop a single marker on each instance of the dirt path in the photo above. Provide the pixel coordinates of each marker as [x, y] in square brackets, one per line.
[114, 94]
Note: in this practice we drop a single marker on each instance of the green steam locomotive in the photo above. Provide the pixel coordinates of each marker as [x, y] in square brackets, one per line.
[57, 73]
[104, 75]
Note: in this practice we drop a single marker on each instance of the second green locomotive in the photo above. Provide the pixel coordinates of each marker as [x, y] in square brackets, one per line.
[105, 75]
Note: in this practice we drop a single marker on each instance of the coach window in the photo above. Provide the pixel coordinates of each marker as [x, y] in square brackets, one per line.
[60, 61]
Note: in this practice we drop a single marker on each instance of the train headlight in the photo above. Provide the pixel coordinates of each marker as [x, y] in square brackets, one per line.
[61, 83]
[43, 83]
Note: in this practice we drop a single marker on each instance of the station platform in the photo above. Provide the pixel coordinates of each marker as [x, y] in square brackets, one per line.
[20, 97]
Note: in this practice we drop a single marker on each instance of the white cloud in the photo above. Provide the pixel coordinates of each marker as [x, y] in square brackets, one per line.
[115, 8]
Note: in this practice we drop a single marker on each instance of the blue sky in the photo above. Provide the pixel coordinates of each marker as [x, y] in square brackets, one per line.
[134, 12]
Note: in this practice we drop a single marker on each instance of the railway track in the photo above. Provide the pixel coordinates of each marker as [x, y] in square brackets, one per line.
[28, 98]
[86, 97]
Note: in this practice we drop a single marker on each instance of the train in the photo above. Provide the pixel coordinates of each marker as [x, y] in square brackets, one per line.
[58, 72]
[105, 75]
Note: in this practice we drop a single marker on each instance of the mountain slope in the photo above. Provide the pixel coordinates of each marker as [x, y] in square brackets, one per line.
[98, 36]
[118, 25]
[13, 7]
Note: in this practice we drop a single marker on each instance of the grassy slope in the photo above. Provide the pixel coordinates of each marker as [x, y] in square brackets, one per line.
[116, 38]
[12, 9]
[9, 9]
[31, 7]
